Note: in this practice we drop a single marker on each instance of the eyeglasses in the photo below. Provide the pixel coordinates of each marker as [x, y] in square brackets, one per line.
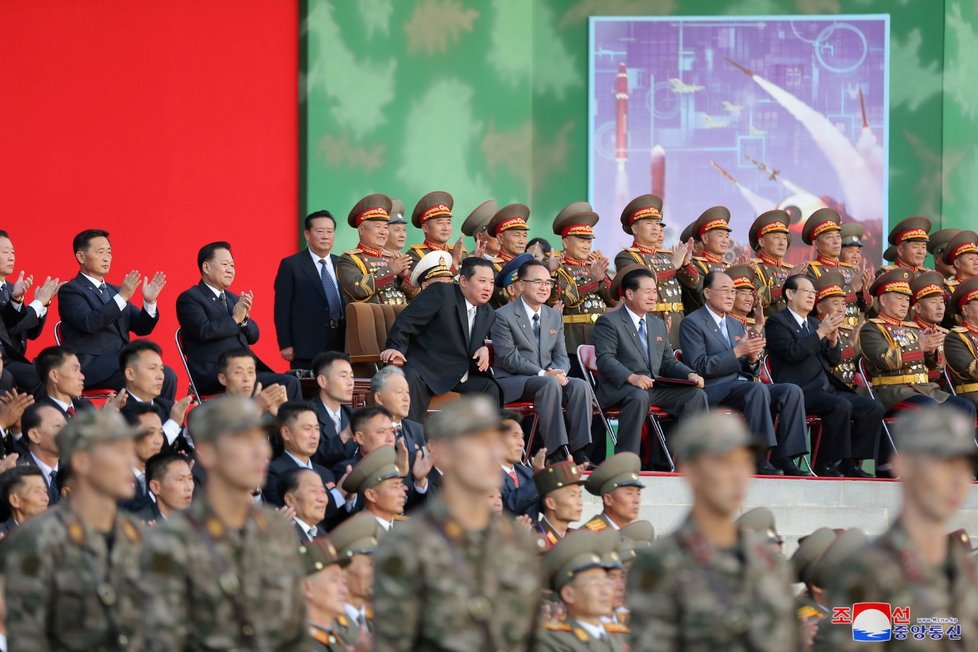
[723, 290]
[805, 290]
[540, 283]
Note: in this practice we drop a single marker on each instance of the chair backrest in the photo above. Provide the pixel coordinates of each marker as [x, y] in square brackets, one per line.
[766, 376]
[367, 326]
[57, 333]
[588, 358]
[678, 354]
[192, 386]
[948, 383]
[867, 383]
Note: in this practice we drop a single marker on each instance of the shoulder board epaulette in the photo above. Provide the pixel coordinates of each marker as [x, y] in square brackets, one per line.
[401, 517]
[786, 265]
[815, 263]
[959, 329]
[846, 327]
[558, 627]
[616, 628]
[910, 324]
[130, 530]
[941, 329]
[352, 252]
[807, 611]
[844, 264]
[342, 621]
[596, 525]
[631, 249]
[876, 320]
[665, 251]
[418, 247]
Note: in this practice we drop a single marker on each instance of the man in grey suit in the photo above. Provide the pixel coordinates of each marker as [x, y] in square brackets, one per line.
[531, 364]
[636, 361]
[717, 346]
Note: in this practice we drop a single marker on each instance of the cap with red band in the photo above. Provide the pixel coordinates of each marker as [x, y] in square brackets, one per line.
[372, 207]
[575, 219]
[895, 280]
[743, 277]
[965, 293]
[434, 204]
[509, 217]
[829, 284]
[715, 217]
[821, 221]
[775, 221]
[643, 207]
[927, 284]
[912, 229]
[965, 242]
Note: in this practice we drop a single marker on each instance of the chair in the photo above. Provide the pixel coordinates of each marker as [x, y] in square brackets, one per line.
[191, 385]
[869, 390]
[587, 357]
[948, 383]
[92, 394]
[523, 408]
[813, 421]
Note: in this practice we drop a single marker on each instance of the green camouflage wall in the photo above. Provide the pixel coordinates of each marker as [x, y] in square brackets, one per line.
[488, 98]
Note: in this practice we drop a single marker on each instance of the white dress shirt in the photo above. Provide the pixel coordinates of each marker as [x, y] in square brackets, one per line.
[329, 266]
[801, 321]
[148, 306]
[45, 469]
[305, 527]
[470, 311]
[337, 496]
[170, 428]
[529, 315]
[594, 631]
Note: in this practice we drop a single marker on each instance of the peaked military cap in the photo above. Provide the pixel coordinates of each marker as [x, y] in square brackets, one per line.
[371, 207]
[643, 207]
[843, 547]
[557, 476]
[513, 216]
[893, 280]
[432, 265]
[821, 221]
[965, 242]
[576, 219]
[715, 217]
[434, 204]
[743, 276]
[829, 284]
[619, 470]
[478, 220]
[852, 234]
[575, 553]
[357, 535]
[607, 545]
[397, 212]
[912, 229]
[224, 415]
[317, 554]
[926, 284]
[91, 427]
[373, 469]
[776, 221]
[939, 240]
[760, 520]
[509, 274]
[810, 548]
[965, 293]
[466, 416]
[936, 431]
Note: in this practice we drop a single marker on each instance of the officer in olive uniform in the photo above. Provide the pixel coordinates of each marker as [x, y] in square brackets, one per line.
[226, 573]
[324, 588]
[770, 238]
[434, 267]
[642, 218]
[936, 247]
[475, 226]
[909, 237]
[852, 244]
[721, 589]
[927, 308]
[823, 230]
[433, 215]
[578, 574]
[830, 298]
[368, 273]
[559, 487]
[71, 579]
[456, 576]
[617, 482]
[760, 520]
[914, 565]
[356, 541]
[961, 257]
[379, 471]
[581, 280]
[746, 310]
[712, 229]
[961, 345]
[509, 227]
[396, 228]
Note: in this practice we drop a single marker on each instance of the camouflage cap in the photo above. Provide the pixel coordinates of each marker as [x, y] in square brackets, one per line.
[643, 207]
[624, 272]
[432, 265]
[841, 549]
[397, 212]
[965, 242]
[513, 216]
[575, 553]
[712, 433]
[912, 229]
[557, 476]
[224, 415]
[810, 548]
[510, 271]
[852, 234]
[318, 554]
[434, 204]
[935, 431]
[761, 520]
[369, 472]
[775, 221]
[478, 220]
[576, 219]
[357, 535]
[371, 207]
[619, 470]
[607, 545]
[466, 416]
[715, 217]
[939, 240]
[91, 427]
[821, 221]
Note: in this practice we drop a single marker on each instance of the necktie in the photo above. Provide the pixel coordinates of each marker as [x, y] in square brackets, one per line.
[313, 531]
[471, 319]
[536, 329]
[70, 411]
[643, 338]
[4, 293]
[804, 328]
[723, 329]
[398, 428]
[103, 290]
[52, 487]
[332, 294]
[515, 478]
[223, 298]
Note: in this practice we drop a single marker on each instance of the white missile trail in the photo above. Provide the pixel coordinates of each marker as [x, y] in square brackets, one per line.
[757, 203]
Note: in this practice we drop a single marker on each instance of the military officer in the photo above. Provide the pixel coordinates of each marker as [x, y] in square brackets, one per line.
[936, 247]
[356, 541]
[377, 478]
[72, 573]
[325, 590]
[475, 225]
[823, 230]
[581, 280]
[748, 307]
[852, 244]
[961, 345]
[456, 576]
[770, 238]
[899, 353]
[712, 229]
[642, 218]
[507, 280]
[760, 520]
[509, 227]
[927, 309]
[830, 299]
[578, 575]
[910, 239]
[711, 585]
[433, 215]
[396, 228]
[961, 255]
[368, 273]
[559, 487]
[434, 267]
[617, 482]
[914, 565]
[226, 573]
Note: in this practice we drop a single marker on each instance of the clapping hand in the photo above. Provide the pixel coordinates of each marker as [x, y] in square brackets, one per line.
[46, 292]
[152, 288]
[242, 309]
[116, 401]
[129, 284]
[12, 406]
[20, 287]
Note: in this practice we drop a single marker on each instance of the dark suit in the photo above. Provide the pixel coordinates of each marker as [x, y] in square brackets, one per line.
[302, 311]
[282, 465]
[413, 435]
[523, 499]
[619, 355]
[163, 408]
[140, 500]
[729, 382]
[16, 327]
[95, 328]
[332, 450]
[8, 526]
[54, 496]
[433, 334]
[78, 403]
[207, 330]
[150, 512]
[851, 424]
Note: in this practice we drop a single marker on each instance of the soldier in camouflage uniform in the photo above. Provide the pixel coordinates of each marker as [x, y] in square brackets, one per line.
[961, 345]
[770, 238]
[823, 230]
[909, 238]
[72, 573]
[914, 564]
[581, 280]
[325, 591]
[642, 219]
[617, 482]
[368, 273]
[433, 215]
[710, 585]
[225, 574]
[578, 574]
[559, 488]
[456, 576]
[509, 227]
[712, 229]
[810, 602]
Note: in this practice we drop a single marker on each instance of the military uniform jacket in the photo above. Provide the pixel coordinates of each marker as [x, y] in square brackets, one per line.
[212, 588]
[772, 274]
[684, 594]
[569, 636]
[327, 639]
[845, 371]
[499, 297]
[961, 353]
[857, 304]
[365, 276]
[891, 570]
[896, 364]
[693, 287]
[66, 590]
[439, 588]
[599, 522]
[585, 299]
[914, 271]
[418, 251]
[548, 534]
[670, 302]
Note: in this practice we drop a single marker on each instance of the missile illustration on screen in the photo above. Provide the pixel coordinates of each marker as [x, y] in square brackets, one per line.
[621, 114]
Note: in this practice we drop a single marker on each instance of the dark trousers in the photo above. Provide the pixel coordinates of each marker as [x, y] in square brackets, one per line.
[851, 424]
[421, 394]
[550, 400]
[759, 403]
[25, 376]
[634, 403]
[918, 401]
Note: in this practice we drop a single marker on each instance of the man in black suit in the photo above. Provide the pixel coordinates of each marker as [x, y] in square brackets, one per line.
[146, 419]
[519, 492]
[309, 315]
[440, 338]
[96, 317]
[60, 372]
[142, 366]
[303, 492]
[41, 424]
[334, 376]
[24, 495]
[803, 351]
[390, 390]
[171, 483]
[213, 320]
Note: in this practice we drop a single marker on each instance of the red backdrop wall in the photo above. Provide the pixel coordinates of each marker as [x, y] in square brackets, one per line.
[170, 124]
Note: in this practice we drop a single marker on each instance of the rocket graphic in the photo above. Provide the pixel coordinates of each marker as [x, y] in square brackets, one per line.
[621, 114]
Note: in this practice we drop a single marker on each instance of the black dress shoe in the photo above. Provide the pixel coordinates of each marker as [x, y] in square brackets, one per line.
[827, 470]
[790, 468]
[764, 468]
[581, 459]
[562, 454]
[851, 470]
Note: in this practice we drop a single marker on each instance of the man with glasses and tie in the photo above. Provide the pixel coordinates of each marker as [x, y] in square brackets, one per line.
[531, 364]
[97, 317]
[213, 320]
[309, 316]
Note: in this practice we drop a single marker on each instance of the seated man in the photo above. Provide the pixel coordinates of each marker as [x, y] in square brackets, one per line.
[718, 348]
[304, 494]
[390, 390]
[171, 483]
[559, 486]
[24, 494]
[334, 376]
[41, 424]
[440, 338]
[145, 419]
[803, 351]
[519, 492]
[379, 481]
[60, 372]
[635, 360]
[617, 482]
[213, 320]
[961, 346]
[237, 375]
[96, 318]
[142, 366]
[531, 364]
